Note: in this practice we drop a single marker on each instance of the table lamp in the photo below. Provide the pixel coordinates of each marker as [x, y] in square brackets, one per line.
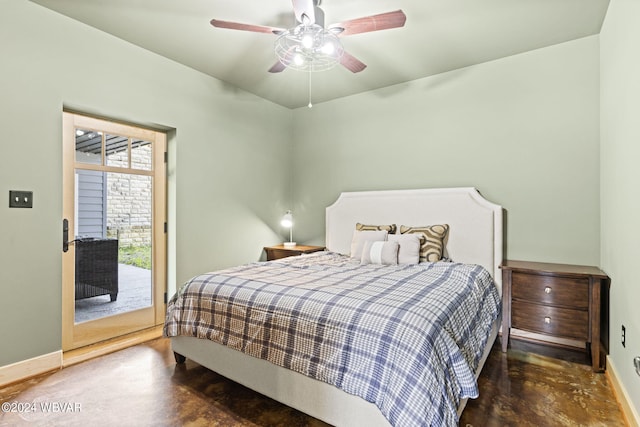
[287, 222]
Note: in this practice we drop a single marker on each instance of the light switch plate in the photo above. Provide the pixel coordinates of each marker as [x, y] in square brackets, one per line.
[20, 199]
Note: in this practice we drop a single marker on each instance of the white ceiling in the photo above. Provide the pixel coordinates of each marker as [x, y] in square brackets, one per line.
[439, 35]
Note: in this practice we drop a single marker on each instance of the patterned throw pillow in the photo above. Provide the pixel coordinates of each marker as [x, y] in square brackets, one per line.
[391, 228]
[431, 240]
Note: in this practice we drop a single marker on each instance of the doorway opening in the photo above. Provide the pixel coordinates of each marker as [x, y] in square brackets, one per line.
[114, 266]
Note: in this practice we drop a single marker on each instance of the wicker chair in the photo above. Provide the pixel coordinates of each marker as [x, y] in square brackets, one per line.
[96, 268]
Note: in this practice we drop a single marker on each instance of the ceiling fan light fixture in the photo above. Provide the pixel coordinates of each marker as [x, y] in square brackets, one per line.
[309, 48]
[328, 48]
[307, 41]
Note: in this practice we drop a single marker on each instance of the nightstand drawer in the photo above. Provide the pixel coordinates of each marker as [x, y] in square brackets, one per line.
[563, 291]
[562, 322]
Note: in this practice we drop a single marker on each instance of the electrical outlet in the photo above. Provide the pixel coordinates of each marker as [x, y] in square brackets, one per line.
[624, 336]
[20, 199]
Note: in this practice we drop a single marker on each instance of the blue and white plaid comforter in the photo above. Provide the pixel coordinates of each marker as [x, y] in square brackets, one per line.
[407, 338]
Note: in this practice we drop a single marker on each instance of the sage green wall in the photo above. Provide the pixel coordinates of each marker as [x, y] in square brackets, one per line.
[620, 175]
[227, 172]
[523, 130]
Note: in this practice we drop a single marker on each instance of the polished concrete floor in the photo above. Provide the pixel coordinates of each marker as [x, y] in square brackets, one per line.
[537, 386]
[142, 386]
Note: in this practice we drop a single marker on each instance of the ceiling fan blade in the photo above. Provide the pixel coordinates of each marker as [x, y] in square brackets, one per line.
[245, 27]
[278, 67]
[383, 21]
[352, 63]
[302, 8]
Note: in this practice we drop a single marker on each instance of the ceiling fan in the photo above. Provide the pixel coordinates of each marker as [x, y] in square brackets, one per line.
[309, 46]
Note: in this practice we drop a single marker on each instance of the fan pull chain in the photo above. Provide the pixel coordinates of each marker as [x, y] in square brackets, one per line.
[310, 104]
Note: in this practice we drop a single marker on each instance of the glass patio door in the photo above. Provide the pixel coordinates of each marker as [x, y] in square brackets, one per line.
[114, 245]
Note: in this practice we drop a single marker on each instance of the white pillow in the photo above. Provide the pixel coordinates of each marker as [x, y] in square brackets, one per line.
[359, 237]
[409, 252]
[380, 253]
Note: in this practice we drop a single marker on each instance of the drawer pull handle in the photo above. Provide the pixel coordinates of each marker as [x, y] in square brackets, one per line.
[547, 320]
[547, 290]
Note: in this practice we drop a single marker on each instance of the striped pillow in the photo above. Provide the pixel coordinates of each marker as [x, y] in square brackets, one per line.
[432, 239]
[391, 228]
[385, 253]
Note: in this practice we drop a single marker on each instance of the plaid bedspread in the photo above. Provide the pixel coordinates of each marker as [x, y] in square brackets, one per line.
[407, 338]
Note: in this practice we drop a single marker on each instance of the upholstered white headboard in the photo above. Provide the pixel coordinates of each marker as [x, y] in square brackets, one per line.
[475, 233]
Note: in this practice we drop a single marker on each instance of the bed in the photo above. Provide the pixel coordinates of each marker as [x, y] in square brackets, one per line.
[360, 391]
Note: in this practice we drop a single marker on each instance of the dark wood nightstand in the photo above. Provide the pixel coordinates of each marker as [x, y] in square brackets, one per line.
[280, 251]
[557, 300]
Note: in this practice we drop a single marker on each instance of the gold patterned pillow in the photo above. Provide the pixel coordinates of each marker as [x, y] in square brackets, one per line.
[391, 228]
[432, 239]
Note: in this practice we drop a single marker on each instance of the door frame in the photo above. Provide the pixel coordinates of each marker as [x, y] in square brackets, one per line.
[75, 335]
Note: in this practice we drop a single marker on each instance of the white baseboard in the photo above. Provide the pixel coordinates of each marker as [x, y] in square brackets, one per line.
[31, 367]
[53, 361]
[630, 412]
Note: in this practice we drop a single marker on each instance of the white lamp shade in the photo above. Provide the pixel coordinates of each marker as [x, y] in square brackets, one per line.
[287, 220]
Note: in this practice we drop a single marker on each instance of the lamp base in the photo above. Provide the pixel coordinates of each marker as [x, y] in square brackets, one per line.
[289, 244]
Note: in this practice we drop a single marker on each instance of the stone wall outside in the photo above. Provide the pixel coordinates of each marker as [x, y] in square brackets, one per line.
[129, 204]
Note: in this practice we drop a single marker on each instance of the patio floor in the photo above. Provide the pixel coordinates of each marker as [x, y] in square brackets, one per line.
[134, 292]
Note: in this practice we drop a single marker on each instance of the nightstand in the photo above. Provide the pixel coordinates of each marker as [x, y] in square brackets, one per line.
[561, 301]
[280, 251]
